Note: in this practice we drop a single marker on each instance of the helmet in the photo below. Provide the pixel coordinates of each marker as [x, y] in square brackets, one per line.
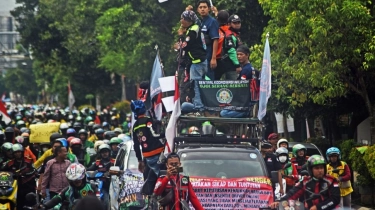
[297, 148]
[91, 124]
[70, 138]
[19, 139]
[99, 131]
[71, 132]
[17, 148]
[333, 150]
[77, 125]
[124, 137]
[115, 140]
[21, 123]
[54, 136]
[24, 129]
[96, 126]
[75, 171]
[83, 131]
[106, 141]
[105, 124]
[316, 160]
[282, 141]
[51, 121]
[7, 146]
[138, 107]
[70, 117]
[88, 119]
[63, 141]
[75, 141]
[273, 136]
[103, 147]
[192, 129]
[117, 130]
[109, 135]
[97, 144]
[282, 151]
[9, 130]
[64, 126]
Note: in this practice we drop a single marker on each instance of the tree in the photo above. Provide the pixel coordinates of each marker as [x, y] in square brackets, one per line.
[323, 50]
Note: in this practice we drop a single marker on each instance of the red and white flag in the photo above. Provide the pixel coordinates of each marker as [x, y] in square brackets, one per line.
[158, 107]
[170, 132]
[71, 98]
[3, 112]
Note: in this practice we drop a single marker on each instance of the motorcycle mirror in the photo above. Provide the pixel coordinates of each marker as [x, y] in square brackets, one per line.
[304, 173]
[287, 165]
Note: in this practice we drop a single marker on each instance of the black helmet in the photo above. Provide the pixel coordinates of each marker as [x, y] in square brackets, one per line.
[109, 135]
[96, 126]
[99, 131]
[9, 130]
[82, 131]
[54, 136]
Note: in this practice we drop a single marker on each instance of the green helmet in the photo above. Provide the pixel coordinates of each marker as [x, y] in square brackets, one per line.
[88, 119]
[316, 160]
[115, 140]
[6, 147]
[17, 148]
[297, 148]
[103, 147]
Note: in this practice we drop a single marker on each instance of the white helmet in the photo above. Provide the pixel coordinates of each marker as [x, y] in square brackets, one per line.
[106, 141]
[97, 144]
[282, 141]
[282, 151]
[64, 126]
[75, 172]
[104, 146]
[124, 137]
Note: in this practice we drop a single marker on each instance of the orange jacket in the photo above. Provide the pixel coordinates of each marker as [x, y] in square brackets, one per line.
[29, 154]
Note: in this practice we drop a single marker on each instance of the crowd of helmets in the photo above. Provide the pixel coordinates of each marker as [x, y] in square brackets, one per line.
[106, 127]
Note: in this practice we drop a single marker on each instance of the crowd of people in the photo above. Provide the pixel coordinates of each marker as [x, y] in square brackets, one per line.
[211, 48]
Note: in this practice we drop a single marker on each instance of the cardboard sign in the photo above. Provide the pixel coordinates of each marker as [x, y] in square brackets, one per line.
[236, 193]
[40, 133]
[225, 94]
[130, 194]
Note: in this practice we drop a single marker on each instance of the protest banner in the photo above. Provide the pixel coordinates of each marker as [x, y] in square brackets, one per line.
[40, 133]
[225, 94]
[130, 192]
[236, 193]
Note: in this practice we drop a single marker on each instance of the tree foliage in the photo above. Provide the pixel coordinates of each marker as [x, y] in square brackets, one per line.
[322, 50]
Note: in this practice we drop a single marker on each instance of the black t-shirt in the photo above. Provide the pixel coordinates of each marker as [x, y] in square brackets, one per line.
[193, 44]
[271, 163]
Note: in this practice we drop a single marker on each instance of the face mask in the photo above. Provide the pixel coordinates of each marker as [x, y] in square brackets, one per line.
[282, 159]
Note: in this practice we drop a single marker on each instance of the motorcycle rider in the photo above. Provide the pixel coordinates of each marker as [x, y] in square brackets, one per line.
[283, 143]
[78, 188]
[48, 152]
[144, 135]
[99, 135]
[289, 173]
[102, 165]
[299, 158]
[6, 153]
[77, 149]
[27, 152]
[113, 143]
[341, 171]
[23, 170]
[319, 190]
[173, 181]
[82, 134]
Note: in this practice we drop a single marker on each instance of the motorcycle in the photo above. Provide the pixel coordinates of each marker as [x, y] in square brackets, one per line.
[96, 177]
[8, 191]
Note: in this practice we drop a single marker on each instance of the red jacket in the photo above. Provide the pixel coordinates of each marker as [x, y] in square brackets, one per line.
[163, 183]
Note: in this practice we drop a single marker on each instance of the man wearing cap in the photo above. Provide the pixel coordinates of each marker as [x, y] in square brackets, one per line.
[194, 46]
[234, 23]
[271, 163]
[227, 62]
[272, 139]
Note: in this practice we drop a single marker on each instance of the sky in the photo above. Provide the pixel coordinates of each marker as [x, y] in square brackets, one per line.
[6, 6]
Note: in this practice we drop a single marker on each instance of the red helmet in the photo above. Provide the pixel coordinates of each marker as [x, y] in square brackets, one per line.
[75, 141]
[70, 138]
[273, 136]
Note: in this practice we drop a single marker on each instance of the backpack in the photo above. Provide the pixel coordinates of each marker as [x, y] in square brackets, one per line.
[225, 43]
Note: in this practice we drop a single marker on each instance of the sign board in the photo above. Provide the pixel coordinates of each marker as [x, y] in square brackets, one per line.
[40, 133]
[236, 193]
[130, 193]
[225, 94]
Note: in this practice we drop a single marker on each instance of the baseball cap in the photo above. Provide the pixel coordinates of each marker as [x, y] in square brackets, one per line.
[234, 18]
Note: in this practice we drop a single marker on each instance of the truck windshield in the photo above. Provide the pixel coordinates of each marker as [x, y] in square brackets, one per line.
[222, 164]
